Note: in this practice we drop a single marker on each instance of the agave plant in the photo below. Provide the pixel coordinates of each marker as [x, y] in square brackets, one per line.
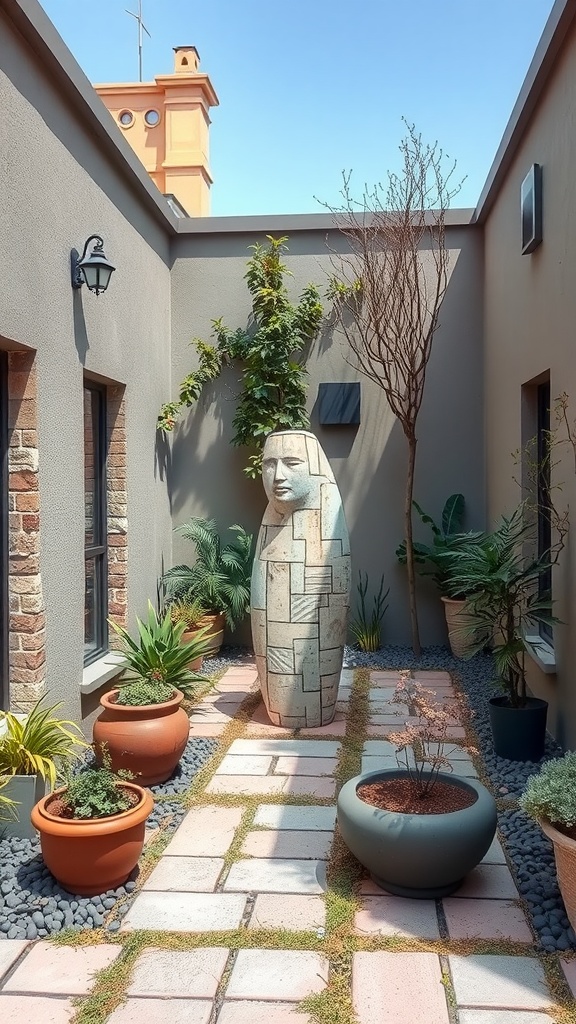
[159, 657]
[33, 744]
[220, 577]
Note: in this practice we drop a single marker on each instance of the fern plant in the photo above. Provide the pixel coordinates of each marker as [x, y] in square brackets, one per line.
[219, 580]
[36, 743]
[274, 378]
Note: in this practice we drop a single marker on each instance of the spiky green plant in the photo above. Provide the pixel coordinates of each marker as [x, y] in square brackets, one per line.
[159, 656]
[36, 743]
[8, 810]
[366, 627]
[220, 577]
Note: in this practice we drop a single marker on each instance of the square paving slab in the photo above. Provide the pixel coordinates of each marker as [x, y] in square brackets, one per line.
[307, 818]
[306, 766]
[287, 748]
[186, 911]
[507, 982]
[266, 874]
[394, 915]
[161, 1011]
[486, 919]
[277, 974]
[398, 988]
[296, 913]
[244, 764]
[60, 970]
[179, 973]
[247, 1011]
[9, 953]
[184, 874]
[503, 1017]
[303, 845]
[35, 1009]
[205, 832]
[489, 882]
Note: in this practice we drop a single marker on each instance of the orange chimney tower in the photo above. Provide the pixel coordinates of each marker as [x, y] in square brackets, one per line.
[167, 124]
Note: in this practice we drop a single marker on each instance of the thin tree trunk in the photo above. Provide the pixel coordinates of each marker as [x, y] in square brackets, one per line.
[410, 546]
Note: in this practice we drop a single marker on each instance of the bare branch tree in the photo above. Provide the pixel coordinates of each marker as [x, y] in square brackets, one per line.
[389, 287]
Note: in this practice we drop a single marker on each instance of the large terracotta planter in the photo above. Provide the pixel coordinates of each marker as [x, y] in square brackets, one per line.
[565, 857]
[457, 619]
[148, 740]
[215, 635]
[425, 856]
[89, 856]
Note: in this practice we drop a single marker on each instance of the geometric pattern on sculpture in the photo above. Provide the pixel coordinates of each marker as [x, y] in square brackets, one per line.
[300, 583]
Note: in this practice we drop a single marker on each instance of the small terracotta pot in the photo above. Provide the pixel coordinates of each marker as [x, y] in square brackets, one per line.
[187, 637]
[457, 619]
[147, 740]
[89, 856]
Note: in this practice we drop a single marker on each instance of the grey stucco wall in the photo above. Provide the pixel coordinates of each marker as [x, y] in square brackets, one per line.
[530, 310]
[205, 475]
[57, 188]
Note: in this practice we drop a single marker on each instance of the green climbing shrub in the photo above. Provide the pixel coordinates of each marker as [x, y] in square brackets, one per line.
[274, 381]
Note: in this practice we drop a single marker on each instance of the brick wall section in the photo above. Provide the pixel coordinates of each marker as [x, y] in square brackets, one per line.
[117, 508]
[27, 624]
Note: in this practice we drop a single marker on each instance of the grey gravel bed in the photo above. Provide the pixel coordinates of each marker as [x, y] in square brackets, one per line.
[530, 853]
[33, 905]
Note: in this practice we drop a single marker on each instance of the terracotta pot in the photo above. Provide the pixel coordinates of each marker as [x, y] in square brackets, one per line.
[565, 857]
[148, 740]
[89, 856]
[196, 664]
[215, 636]
[457, 619]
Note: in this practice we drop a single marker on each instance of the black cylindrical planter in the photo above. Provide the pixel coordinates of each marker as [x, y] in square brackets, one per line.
[518, 733]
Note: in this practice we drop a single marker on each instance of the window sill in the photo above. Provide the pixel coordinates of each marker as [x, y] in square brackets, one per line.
[542, 653]
[100, 671]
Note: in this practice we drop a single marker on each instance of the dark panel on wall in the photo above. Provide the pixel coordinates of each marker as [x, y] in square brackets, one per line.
[339, 404]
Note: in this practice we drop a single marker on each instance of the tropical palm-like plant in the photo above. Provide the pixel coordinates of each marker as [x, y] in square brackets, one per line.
[159, 657]
[33, 744]
[440, 557]
[220, 577]
[507, 598]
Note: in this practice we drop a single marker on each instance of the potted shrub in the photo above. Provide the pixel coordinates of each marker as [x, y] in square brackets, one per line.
[143, 725]
[31, 745]
[417, 828]
[193, 615]
[506, 606]
[439, 559]
[550, 798]
[219, 579]
[92, 829]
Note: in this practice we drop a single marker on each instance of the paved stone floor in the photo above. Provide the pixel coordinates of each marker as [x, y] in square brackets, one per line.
[273, 806]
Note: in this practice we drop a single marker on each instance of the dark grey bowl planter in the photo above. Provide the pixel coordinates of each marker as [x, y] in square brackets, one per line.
[425, 856]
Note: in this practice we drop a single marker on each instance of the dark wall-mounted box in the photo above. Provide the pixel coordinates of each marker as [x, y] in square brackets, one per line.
[531, 209]
[339, 404]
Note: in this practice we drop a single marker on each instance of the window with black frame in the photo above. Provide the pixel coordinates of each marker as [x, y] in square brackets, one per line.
[544, 521]
[4, 687]
[95, 511]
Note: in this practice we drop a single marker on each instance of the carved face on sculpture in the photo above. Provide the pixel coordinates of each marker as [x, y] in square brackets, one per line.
[292, 471]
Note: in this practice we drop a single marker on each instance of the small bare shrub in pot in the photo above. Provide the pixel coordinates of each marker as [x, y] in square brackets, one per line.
[418, 828]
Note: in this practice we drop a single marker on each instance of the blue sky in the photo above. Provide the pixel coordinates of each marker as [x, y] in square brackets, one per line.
[310, 88]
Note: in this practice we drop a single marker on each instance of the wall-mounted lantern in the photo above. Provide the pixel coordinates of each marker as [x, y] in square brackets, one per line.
[93, 270]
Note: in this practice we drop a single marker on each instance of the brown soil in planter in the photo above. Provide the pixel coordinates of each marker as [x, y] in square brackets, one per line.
[565, 830]
[59, 809]
[402, 795]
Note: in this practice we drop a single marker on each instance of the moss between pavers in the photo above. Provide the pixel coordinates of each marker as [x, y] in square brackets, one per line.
[334, 1004]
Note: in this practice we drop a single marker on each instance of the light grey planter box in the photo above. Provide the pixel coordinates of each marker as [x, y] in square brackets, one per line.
[25, 790]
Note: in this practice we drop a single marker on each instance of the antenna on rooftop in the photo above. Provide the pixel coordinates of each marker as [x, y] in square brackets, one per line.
[141, 27]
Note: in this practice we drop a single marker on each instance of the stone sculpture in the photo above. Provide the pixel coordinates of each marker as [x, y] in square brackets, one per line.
[300, 583]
